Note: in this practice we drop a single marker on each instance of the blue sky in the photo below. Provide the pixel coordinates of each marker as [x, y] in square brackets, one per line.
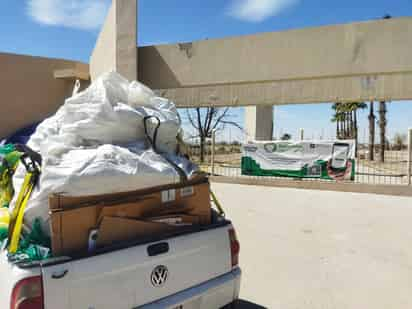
[69, 28]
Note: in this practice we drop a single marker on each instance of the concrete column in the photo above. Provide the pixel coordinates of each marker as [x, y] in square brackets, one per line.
[212, 163]
[302, 134]
[126, 57]
[259, 123]
[116, 46]
[409, 156]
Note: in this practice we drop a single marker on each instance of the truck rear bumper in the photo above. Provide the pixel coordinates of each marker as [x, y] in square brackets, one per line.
[213, 294]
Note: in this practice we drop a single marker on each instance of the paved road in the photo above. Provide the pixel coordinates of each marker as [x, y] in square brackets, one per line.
[315, 249]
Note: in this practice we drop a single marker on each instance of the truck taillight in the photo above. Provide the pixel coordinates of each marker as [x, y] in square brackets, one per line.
[234, 247]
[28, 294]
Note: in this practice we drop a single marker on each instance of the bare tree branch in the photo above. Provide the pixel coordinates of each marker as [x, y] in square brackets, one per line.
[220, 118]
[232, 123]
[205, 120]
[213, 113]
[189, 116]
[199, 121]
[208, 113]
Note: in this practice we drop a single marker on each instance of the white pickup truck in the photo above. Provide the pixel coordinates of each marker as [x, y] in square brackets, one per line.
[196, 269]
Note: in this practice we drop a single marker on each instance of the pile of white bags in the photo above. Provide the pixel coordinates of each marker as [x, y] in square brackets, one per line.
[110, 111]
[95, 144]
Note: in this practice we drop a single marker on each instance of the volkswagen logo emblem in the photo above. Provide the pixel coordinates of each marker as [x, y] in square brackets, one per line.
[159, 276]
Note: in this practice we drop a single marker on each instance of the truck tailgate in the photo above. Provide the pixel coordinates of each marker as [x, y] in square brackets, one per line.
[127, 279]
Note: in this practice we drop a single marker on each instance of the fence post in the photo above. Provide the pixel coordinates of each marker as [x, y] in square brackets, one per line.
[409, 155]
[213, 151]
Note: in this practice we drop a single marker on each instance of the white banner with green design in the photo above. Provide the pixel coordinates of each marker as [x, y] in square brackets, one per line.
[332, 160]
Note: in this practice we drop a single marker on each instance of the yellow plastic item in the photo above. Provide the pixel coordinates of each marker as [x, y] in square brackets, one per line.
[18, 212]
[4, 216]
[20, 197]
[6, 189]
[6, 172]
[4, 223]
[217, 204]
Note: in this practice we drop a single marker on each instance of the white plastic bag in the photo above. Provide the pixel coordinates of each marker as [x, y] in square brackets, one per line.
[139, 95]
[96, 144]
[102, 115]
[102, 170]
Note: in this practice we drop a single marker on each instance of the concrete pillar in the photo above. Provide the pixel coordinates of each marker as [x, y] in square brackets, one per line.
[409, 156]
[116, 46]
[259, 123]
[302, 134]
[126, 61]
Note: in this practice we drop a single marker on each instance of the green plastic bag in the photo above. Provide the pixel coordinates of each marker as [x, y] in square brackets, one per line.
[4, 231]
[36, 236]
[5, 149]
[9, 160]
[35, 246]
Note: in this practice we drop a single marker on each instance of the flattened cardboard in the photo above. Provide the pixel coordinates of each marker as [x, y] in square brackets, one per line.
[146, 207]
[114, 230]
[70, 230]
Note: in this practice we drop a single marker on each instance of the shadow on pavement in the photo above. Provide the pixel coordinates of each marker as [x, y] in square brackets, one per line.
[243, 304]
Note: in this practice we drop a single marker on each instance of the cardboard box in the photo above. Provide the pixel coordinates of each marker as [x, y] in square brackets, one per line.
[143, 211]
[62, 202]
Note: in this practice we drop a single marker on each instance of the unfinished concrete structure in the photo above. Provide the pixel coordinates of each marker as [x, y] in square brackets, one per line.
[116, 47]
[341, 63]
[361, 61]
[33, 88]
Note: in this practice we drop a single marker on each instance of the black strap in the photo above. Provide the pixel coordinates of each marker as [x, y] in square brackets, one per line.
[152, 142]
[30, 159]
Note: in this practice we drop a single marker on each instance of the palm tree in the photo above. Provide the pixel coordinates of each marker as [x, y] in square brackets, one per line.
[354, 107]
[382, 127]
[371, 118]
[339, 118]
[335, 119]
[357, 106]
[350, 121]
[400, 141]
[346, 118]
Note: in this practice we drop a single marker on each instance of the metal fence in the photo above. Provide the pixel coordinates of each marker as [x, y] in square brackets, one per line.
[392, 171]
[224, 159]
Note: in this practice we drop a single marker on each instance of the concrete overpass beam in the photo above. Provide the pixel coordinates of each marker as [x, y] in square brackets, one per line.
[339, 63]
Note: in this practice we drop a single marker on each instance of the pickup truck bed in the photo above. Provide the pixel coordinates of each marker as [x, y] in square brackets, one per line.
[192, 269]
